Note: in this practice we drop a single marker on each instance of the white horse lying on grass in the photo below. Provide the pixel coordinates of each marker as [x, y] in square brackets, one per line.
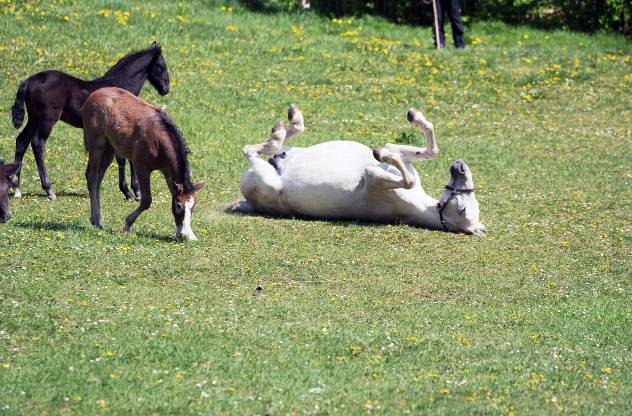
[347, 180]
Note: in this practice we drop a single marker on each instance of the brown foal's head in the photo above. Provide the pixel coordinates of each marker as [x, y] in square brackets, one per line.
[182, 204]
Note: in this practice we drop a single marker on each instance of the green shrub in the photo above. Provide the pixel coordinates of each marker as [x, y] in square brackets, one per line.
[585, 15]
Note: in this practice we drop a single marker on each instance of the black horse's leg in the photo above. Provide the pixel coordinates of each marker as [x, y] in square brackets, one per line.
[39, 150]
[120, 161]
[21, 144]
[134, 180]
[145, 198]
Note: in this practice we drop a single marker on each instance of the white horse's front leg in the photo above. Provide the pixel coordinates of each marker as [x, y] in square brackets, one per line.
[261, 185]
[297, 126]
[269, 147]
[412, 153]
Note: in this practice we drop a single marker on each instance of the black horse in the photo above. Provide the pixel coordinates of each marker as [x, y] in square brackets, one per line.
[54, 95]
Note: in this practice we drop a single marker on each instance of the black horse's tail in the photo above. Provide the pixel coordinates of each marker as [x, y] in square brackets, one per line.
[18, 107]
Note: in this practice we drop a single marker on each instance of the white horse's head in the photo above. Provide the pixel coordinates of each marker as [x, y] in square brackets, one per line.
[458, 206]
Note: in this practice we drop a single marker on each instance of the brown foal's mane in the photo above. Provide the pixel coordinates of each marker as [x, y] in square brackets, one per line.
[182, 149]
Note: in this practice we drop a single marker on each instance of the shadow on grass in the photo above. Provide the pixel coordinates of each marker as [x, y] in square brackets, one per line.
[155, 236]
[73, 226]
[242, 209]
[73, 194]
[42, 194]
[50, 225]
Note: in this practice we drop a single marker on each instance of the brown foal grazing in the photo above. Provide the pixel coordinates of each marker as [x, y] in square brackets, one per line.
[116, 121]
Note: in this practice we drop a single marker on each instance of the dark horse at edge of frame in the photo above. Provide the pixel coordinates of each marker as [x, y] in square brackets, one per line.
[6, 175]
[51, 96]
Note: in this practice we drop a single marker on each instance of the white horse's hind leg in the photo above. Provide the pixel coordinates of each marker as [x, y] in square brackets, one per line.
[401, 157]
[412, 153]
[380, 178]
[384, 155]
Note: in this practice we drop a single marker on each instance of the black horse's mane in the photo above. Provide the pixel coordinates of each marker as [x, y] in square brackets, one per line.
[183, 149]
[124, 61]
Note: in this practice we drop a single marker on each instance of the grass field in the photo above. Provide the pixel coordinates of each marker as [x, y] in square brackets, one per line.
[535, 318]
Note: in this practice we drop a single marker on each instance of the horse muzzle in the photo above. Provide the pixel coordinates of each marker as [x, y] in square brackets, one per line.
[459, 169]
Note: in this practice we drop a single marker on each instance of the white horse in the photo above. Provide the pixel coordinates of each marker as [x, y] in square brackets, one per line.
[347, 180]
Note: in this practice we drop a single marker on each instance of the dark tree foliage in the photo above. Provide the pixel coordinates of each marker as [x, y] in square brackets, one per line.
[584, 15]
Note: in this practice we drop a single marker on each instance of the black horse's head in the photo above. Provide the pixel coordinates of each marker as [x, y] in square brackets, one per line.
[157, 71]
[7, 174]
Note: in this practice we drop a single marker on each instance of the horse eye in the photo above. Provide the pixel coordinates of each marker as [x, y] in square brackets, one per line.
[179, 206]
[462, 211]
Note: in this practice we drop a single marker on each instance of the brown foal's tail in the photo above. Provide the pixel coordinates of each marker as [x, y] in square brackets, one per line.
[18, 107]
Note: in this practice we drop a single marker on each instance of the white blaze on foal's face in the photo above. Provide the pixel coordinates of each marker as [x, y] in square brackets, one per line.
[184, 230]
[182, 207]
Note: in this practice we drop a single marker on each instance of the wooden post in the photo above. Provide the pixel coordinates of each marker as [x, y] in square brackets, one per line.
[436, 24]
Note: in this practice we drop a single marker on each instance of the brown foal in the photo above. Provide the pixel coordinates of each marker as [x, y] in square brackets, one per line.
[116, 121]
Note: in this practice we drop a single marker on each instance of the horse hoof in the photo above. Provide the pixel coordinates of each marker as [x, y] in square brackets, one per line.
[187, 237]
[17, 193]
[52, 196]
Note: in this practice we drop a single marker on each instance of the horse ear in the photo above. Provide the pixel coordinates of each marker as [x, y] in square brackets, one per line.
[155, 45]
[198, 186]
[179, 189]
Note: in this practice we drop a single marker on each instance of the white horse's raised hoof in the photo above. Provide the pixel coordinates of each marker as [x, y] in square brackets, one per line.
[347, 180]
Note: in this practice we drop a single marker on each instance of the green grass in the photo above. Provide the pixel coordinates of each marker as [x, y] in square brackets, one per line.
[353, 318]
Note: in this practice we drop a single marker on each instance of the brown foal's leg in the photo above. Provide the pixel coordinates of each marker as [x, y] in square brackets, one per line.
[144, 183]
[99, 152]
[92, 177]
